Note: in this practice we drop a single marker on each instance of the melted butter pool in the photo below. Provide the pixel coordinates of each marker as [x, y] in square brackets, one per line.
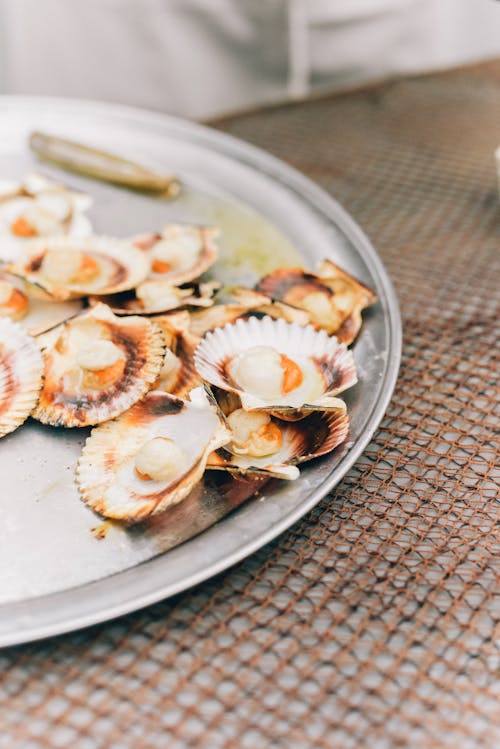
[250, 245]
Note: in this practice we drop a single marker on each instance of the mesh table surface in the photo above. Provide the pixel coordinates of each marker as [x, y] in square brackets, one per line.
[373, 622]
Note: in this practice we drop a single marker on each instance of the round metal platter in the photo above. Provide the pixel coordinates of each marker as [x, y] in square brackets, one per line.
[55, 574]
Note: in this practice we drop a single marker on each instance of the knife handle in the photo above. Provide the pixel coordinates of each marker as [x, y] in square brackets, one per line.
[92, 162]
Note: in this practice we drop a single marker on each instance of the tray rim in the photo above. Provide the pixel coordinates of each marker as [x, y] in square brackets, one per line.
[29, 627]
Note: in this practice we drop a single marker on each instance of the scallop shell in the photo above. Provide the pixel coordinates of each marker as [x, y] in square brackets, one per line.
[327, 365]
[316, 435]
[63, 400]
[21, 369]
[345, 296]
[244, 303]
[179, 235]
[121, 266]
[128, 303]
[53, 209]
[178, 375]
[42, 313]
[105, 474]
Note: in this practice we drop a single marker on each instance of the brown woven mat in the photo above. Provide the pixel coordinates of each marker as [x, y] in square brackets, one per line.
[371, 623]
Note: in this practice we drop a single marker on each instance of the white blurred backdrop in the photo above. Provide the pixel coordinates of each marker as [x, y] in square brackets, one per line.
[200, 58]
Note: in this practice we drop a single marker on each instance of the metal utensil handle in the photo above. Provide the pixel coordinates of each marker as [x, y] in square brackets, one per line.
[100, 164]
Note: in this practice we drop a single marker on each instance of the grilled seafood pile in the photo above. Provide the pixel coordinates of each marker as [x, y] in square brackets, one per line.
[176, 377]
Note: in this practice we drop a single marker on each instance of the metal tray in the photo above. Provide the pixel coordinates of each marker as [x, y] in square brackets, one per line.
[55, 576]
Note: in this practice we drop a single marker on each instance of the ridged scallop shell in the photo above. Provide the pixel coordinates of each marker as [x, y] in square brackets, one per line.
[244, 303]
[316, 435]
[105, 474]
[344, 296]
[42, 312]
[56, 208]
[21, 369]
[128, 303]
[205, 257]
[178, 375]
[326, 364]
[121, 266]
[64, 403]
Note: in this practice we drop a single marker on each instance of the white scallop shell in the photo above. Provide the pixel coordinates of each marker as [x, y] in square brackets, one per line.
[21, 369]
[318, 355]
[105, 474]
[121, 266]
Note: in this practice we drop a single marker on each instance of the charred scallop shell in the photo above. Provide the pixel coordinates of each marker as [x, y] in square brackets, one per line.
[178, 375]
[180, 253]
[332, 297]
[96, 366]
[21, 369]
[244, 303]
[37, 207]
[69, 268]
[155, 297]
[293, 442]
[281, 367]
[151, 457]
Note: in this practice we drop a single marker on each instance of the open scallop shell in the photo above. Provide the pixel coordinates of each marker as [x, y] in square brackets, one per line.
[37, 206]
[40, 312]
[192, 250]
[244, 303]
[21, 369]
[159, 297]
[64, 400]
[316, 435]
[120, 266]
[327, 366]
[332, 298]
[106, 475]
[178, 375]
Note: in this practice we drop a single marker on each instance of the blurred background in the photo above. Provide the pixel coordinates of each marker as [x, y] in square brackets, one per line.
[203, 58]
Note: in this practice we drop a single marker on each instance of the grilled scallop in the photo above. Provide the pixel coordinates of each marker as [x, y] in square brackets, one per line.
[69, 268]
[156, 297]
[39, 207]
[180, 253]
[280, 367]
[150, 457]
[332, 298]
[96, 366]
[265, 446]
[21, 369]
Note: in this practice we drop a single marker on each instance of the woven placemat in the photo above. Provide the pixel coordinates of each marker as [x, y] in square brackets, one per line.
[372, 623]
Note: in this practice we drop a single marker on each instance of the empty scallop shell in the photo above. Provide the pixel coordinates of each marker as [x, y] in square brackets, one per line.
[316, 435]
[67, 398]
[180, 253]
[178, 375]
[156, 297]
[107, 474]
[37, 206]
[244, 303]
[35, 311]
[116, 265]
[324, 367]
[21, 369]
[332, 297]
